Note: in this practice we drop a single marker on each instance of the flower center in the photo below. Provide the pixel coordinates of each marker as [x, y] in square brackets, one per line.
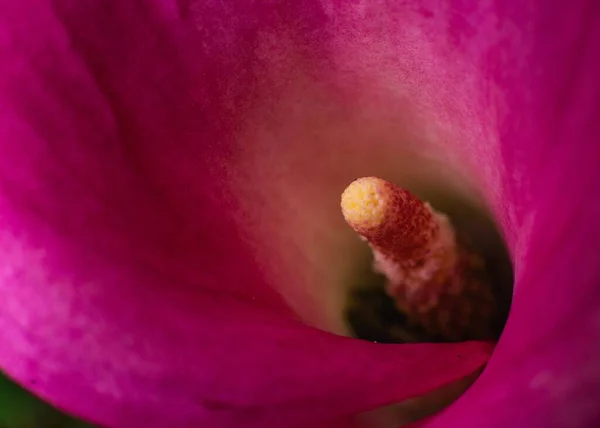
[434, 276]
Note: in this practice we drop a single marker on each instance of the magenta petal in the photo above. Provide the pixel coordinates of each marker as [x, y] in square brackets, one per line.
[545, 372]
[125, 345]
[113, 348]
[127, 294]
[120, 123]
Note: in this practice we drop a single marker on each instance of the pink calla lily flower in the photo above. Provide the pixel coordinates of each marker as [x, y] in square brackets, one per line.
[171, 242]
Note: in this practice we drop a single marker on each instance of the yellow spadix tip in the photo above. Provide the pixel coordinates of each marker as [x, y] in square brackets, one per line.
[364, 202]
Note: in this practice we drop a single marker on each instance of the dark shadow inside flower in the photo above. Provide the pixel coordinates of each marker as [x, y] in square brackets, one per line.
[371, 314]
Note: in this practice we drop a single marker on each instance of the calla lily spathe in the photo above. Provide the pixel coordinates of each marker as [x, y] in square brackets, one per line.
[154, 157]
